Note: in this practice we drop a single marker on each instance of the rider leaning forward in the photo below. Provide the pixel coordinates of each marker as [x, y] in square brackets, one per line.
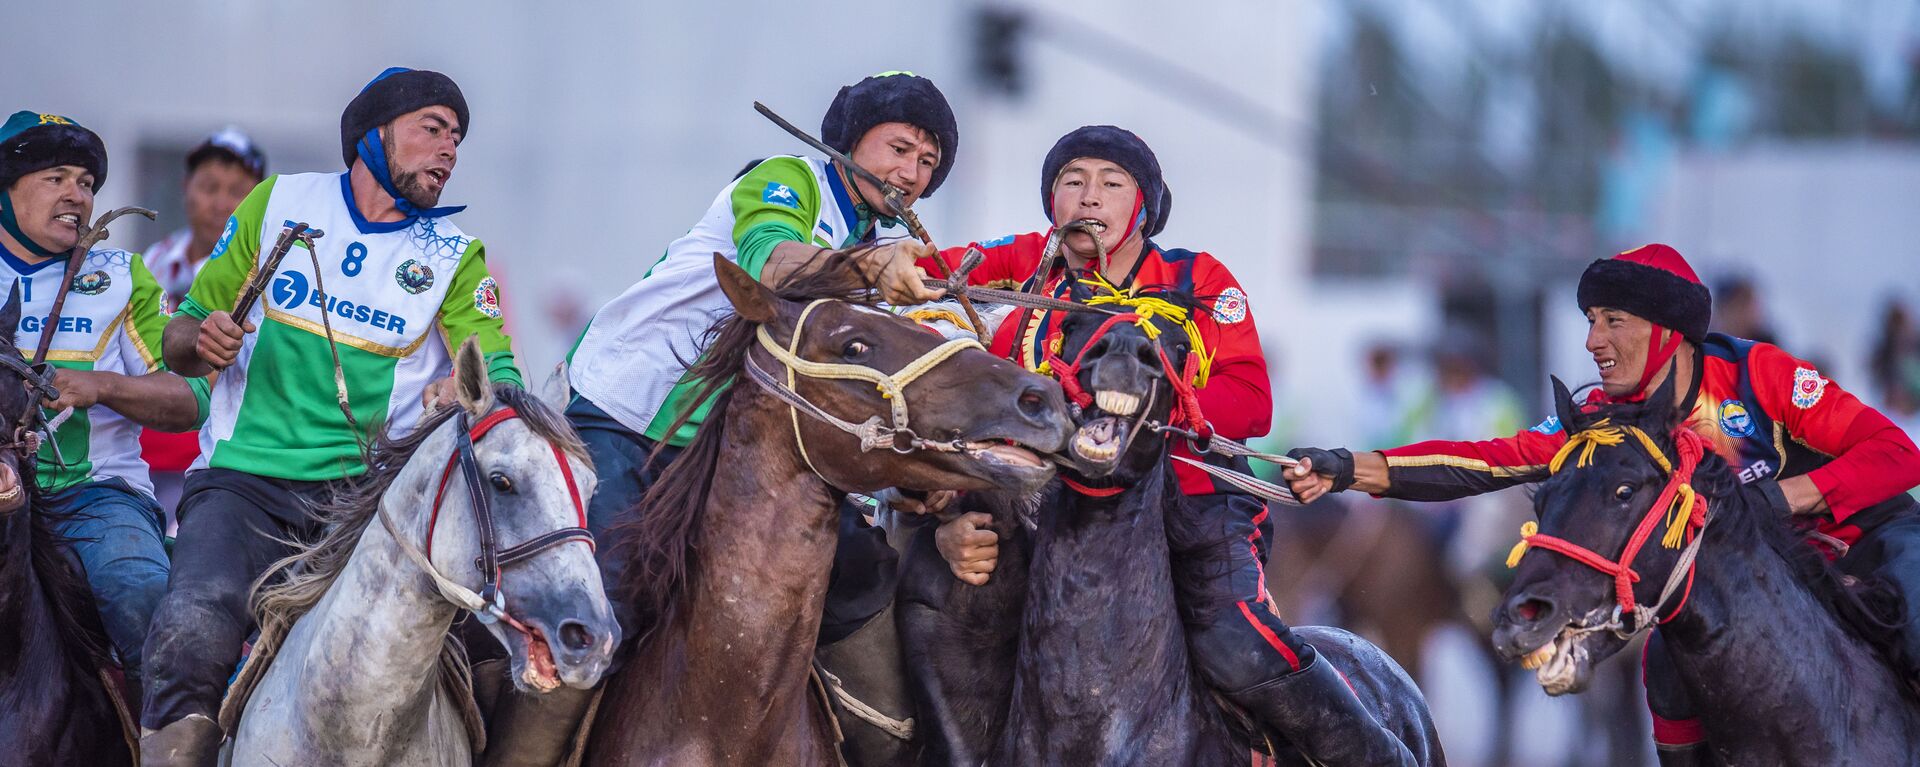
[1796, 439]
[404, 287]
[105, 350]
[1109, 176]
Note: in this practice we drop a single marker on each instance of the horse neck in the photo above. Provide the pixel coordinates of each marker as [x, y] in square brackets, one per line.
[1753, 640]
[23, 613]
[387, 611]
[1100, 599]
[36, 671]
[767, 543]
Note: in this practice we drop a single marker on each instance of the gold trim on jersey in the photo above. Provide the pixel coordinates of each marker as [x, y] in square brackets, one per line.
[1457, 462]
[354, 341]
[99, 348]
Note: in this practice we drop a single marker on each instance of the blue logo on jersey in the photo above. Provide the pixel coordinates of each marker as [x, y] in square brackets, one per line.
[1734, 419]
[1549, 426]
[226, 236]
[777, 193]
[290, 289]
[997, 242]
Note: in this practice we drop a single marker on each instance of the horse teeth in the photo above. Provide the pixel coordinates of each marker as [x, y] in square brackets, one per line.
[1538, 658]
[1117, 403]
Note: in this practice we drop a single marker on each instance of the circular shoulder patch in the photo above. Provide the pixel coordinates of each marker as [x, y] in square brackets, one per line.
[1808, 387]
[92, 283]
[1230, 307]
[413, 276]
[1735, 420]
[486, 298]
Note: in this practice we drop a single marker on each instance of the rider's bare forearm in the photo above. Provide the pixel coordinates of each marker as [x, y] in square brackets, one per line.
[789, 259]
[1370, 473]
[177, 347]
[1803, 497]
[161, 400]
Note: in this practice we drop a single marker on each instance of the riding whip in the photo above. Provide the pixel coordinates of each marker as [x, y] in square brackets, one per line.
[89, 237]
[263, 276]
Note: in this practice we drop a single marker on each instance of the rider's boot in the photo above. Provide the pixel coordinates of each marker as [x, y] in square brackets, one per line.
[193, 741]
[1689, 755]
[535, 729]
[1317, 712]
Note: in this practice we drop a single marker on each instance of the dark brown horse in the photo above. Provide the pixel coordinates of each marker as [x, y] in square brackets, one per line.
[1075, 651]
[54, 708]
[732, 547]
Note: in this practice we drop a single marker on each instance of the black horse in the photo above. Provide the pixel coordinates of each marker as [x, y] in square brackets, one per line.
[54, 707]
[1085, 608]
[1768, 638]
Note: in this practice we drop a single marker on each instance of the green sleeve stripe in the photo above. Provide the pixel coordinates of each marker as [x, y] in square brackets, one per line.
[146, 320]
[220, 281]
[202, 399]
[193, 309]
[462, 317]
[501, 369]
[756, 246]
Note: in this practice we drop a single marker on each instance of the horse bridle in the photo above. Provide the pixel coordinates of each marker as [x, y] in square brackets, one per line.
[1684, 512]
[25, 436]
[489, 604]
[897, 434]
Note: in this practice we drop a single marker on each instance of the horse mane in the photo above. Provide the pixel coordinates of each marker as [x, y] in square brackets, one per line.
[1869, 608]
[292, 586]
[660, 539]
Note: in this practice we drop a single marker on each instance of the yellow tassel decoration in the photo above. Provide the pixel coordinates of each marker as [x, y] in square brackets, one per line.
[1528, 529]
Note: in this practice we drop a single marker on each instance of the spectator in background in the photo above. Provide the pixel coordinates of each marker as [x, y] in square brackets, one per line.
[1738, 311]
[1895, 366]
[221, 170]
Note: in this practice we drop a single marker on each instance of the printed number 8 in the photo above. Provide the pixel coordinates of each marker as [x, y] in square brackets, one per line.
[356, 258]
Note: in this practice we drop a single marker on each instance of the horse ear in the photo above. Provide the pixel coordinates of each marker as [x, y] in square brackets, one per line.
[753, 301]
[470, 379]
[1564, 407]
[10, 314]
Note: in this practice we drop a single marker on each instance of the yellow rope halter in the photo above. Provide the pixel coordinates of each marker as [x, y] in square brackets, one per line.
[1149, 308]
[1605, 434]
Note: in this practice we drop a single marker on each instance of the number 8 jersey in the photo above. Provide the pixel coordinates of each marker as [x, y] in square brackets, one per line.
[399, 296]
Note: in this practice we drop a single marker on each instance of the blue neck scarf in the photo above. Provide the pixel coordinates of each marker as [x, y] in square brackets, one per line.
[374, 154]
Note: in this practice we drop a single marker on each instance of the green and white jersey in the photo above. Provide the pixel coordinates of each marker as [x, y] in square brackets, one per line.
[629, 359]
[400, 296]
[111, 322]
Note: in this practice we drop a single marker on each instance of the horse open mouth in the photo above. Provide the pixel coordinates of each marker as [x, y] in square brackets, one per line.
[1098, 443]
[1006, 453]
[13, 495]
[538, 672]
[1563, 664]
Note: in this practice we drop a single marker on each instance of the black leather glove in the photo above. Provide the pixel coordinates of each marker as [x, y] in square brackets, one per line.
[1336, 463]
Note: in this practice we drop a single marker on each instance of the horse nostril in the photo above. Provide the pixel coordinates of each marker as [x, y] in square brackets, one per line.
[1532, 609]
[1148, 355]
[1032, 403]
[575, 636]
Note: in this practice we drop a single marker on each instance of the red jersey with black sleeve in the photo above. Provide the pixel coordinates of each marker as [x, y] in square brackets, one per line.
[1238, 397]
[1769, 414]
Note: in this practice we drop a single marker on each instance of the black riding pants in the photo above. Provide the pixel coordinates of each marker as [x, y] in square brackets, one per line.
[1889, 551]
[232, 525]
[864, 566]
[1219, 547]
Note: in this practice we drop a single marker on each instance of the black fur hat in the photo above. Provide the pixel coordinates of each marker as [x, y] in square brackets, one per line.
[31, 141]
[1652, 282]
[395, 92]
[893, 97]
[1120, 147]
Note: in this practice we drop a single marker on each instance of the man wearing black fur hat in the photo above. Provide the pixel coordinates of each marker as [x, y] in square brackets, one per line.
[404, 287]
[1108, 177]
[91, 476]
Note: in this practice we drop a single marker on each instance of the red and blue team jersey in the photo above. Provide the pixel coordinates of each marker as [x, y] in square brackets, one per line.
[1769, 414]
[1237, 399]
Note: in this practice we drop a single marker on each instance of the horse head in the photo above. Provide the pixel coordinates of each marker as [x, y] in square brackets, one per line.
[528, 508]
[923, 412]
[1126, 372]
[1615, 517]
[19, 411]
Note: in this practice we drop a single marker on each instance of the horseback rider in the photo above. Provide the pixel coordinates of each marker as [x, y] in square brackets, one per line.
[1109, 176]
[1796, 440]
[107, 374]
[401, 286]
[781, 218]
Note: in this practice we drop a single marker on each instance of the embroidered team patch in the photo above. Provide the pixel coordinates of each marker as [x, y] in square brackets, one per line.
[226, 237]
[777, 193]
[486, 298]
[92, 283]
[1549, 426]
[1230, 307]
[1808, 387]
[414, 277]
[1734, 419]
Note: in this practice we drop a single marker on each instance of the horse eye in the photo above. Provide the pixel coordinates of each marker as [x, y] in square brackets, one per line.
[1623, 492]
[500, 482]
[856, 350]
